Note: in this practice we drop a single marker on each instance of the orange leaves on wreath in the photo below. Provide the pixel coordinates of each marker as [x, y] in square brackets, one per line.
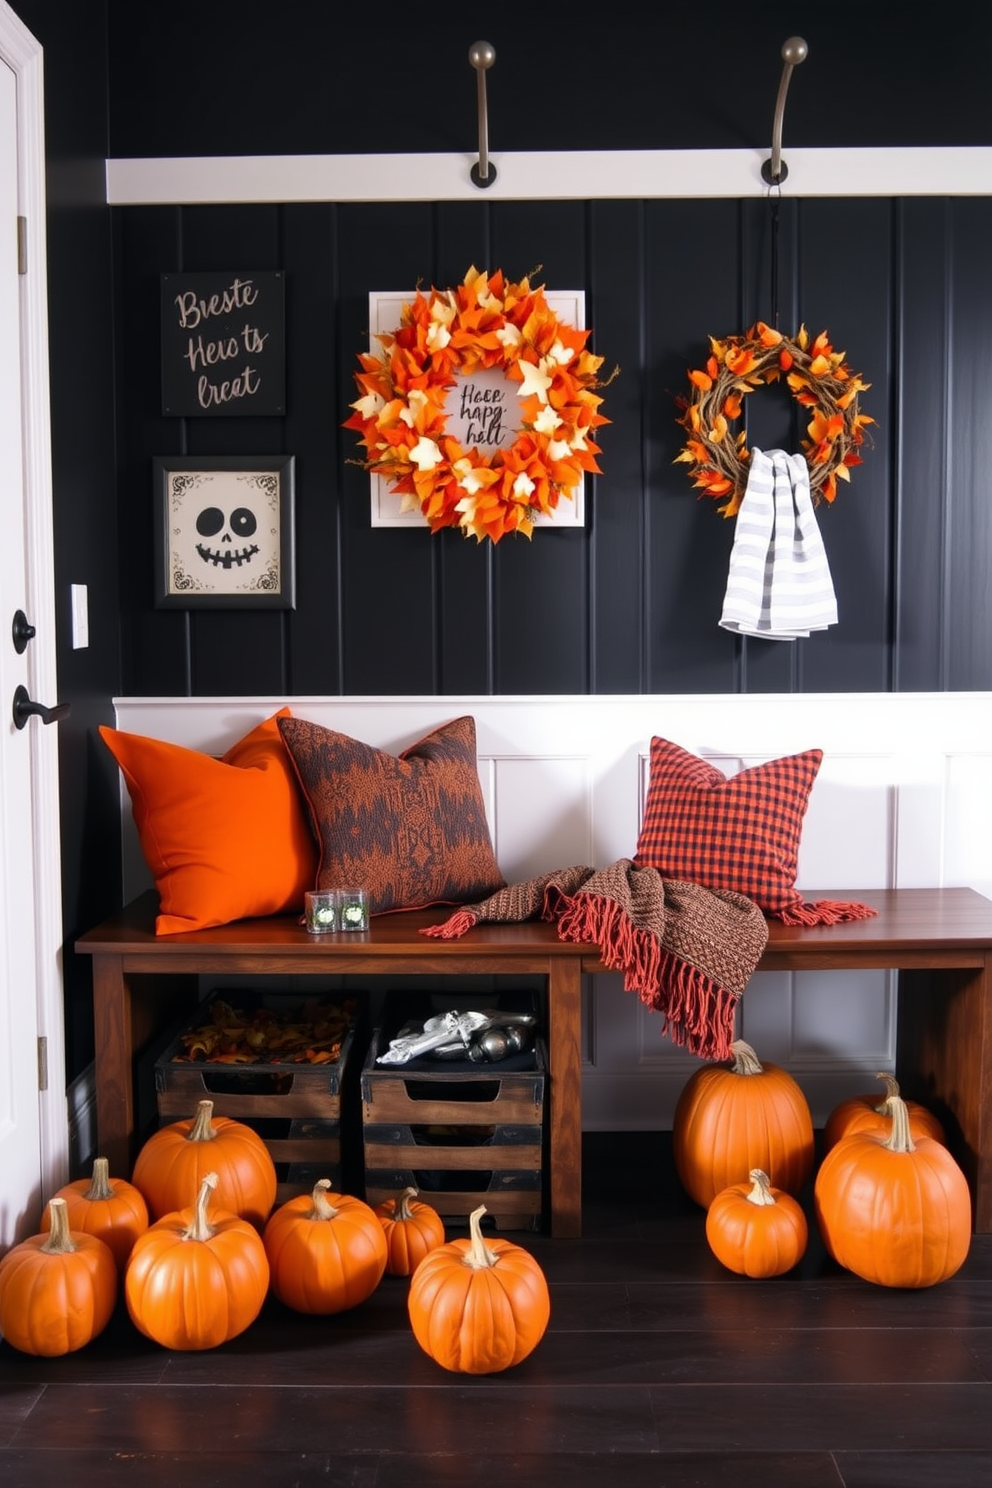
[401, 418]
[817, 377]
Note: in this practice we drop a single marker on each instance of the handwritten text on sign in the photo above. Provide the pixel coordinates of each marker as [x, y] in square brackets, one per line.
[483, 410]
[223, 344]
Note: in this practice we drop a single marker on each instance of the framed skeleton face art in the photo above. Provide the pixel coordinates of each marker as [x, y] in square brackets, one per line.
[224, 532]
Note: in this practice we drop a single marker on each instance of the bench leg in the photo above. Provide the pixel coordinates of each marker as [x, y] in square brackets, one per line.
[565, 1070]
[944, 1060]
[112, 1063]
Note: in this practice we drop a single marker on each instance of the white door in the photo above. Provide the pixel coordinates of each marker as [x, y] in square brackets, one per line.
[33, 1131]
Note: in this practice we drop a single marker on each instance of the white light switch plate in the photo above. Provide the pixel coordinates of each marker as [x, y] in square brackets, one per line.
[80, 617]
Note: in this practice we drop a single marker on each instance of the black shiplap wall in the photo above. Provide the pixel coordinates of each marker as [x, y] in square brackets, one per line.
[630, 603]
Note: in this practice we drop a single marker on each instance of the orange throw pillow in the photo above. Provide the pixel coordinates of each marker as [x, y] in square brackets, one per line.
[225, 839]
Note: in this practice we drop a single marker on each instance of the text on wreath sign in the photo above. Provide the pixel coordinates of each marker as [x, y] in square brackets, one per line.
[480, 410]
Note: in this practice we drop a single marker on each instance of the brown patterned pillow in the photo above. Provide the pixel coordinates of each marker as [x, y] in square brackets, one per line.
[411, 829]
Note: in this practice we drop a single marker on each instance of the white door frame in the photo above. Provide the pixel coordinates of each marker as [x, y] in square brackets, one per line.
[23, 54]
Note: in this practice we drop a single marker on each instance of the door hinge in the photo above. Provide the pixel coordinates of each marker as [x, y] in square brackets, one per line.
[42, 1063]
[22, 245]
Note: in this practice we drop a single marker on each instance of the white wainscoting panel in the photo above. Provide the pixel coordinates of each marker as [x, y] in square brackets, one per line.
[903, 798]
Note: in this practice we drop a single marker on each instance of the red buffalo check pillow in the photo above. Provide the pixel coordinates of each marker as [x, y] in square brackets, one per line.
[741, 833]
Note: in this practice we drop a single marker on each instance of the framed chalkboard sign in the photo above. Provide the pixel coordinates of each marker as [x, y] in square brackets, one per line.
[223, 344]
[224, 532]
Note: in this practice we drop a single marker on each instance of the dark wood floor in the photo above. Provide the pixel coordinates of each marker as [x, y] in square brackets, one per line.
[658, 1368]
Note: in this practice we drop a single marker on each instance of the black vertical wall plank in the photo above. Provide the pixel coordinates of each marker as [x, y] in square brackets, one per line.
[318, 388]
[920, 409]
[970, 535]
[616, 501]
[541, 599]
[388, 575]
[850, 296]
[692, 250]
[154, 643]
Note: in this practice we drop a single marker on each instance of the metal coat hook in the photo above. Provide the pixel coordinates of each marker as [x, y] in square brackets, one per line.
[794, 51]
[482, 55]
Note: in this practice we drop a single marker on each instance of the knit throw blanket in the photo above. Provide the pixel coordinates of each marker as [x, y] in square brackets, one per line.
[687, 951]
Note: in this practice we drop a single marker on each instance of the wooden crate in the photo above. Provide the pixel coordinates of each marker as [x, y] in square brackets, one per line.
[461, 1136]
[295, 1108]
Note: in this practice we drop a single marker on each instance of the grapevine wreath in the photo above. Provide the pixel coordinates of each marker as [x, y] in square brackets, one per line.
[818, 378]
[448, 335]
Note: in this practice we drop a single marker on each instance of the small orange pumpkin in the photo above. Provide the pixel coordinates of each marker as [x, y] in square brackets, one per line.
[730, 1120]
[174, 1161]
[412, 1228]
[196, 1277]
[327, 1251]
[110, 1208]
[893, 1210]
[58, 1289]
[869, 1113]
[477, 1308]
[756, 1230]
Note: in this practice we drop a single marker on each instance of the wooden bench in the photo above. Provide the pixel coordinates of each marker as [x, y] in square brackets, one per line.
[940, 940]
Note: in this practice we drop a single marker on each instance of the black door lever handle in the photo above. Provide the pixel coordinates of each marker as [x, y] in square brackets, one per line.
[25, 706]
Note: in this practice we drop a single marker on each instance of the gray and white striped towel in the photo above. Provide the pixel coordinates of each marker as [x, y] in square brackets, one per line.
[779, 585]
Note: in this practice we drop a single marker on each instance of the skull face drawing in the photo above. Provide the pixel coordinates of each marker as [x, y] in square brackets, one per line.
[224, 533]
[229, 534]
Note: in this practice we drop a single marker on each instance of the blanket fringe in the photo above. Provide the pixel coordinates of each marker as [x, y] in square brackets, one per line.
[698, 1014]
[453, 926]
[826, 912]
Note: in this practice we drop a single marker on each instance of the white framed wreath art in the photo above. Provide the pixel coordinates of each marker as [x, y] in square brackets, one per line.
[478, 411]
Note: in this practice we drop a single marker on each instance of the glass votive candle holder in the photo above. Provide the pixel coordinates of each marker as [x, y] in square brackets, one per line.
[321, 911]
[353, 909]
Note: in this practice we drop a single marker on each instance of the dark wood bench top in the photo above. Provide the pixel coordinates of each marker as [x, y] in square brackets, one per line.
[927, 926]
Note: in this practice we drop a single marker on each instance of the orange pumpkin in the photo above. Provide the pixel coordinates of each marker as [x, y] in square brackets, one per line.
[893, 1210]
[174, 1161]
[756, 1230]
[58, 1289]
[869, 1113]
[412, 1228]
[196, 1277]
[110, 1208]
[478, 1307]
[730, 1120]
[327, 1251]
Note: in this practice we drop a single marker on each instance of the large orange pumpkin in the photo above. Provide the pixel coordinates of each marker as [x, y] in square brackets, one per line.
[327, 1251]
[196, 1277]
[58, 1289]
[412, 1228]
[110, 1208]
[893, 1210]
[729, 1120]
[869, 1113]
[755, 1229]
[478, 1307]
[175, 1160]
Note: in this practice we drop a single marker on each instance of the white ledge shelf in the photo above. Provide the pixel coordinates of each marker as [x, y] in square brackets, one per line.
[596, 175]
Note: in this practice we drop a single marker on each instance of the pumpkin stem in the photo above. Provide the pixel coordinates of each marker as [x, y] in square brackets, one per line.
[100, 1183]
[478, 1255]
[899, 1139]
[761, 1189]
[200, 1227]
[402, 1209]
[891, 1088]
[60, 1240]
[746, 1062]
[202, 1129]
[321, 1208]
